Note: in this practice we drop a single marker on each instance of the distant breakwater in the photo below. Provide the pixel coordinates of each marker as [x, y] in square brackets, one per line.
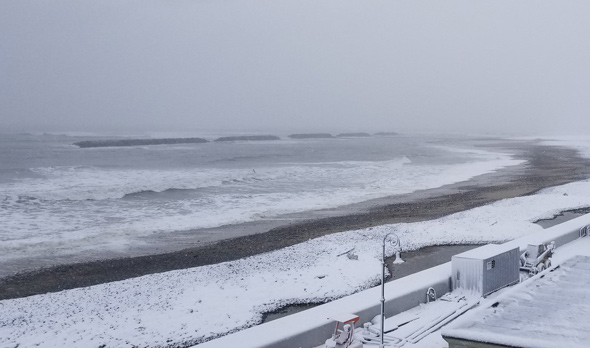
[249, 138]
[353, 135]
[138, 142]
[172, 141]
[311, 136]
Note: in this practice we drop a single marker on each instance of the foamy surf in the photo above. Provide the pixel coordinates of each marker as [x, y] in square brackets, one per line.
[92, 208]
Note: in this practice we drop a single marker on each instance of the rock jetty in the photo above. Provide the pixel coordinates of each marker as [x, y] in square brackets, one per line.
[353, 135]
[138, 142]
[249, 138]
[311, 136]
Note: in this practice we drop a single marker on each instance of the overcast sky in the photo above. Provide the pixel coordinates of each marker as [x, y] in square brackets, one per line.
[337, 65]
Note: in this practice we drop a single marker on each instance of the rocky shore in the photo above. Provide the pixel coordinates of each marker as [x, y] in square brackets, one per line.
[547, 166]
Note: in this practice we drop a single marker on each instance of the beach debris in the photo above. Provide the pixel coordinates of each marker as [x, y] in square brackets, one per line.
[352, 256]
[346, 252]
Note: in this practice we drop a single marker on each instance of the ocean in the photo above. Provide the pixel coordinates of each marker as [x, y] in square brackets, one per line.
[60, 203]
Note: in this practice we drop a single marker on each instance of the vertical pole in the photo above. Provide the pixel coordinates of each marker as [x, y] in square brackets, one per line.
[396, 243]
[383, 293]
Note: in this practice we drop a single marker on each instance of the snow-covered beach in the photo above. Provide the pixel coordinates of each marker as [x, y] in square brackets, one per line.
[184, 307]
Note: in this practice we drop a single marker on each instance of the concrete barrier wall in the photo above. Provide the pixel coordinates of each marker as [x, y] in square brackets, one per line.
[393, 306]
[561, 234]
[312, 327]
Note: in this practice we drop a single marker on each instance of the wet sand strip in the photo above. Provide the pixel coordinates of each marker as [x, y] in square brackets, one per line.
[547, 166]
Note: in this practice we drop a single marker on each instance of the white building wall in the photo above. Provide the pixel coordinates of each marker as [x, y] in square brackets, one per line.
[467, 274]
[500, 271]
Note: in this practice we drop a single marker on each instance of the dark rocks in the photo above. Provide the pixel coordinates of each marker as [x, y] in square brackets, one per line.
[138, 142]
[249, 138]
[353, 135]
[311, 136]
[167, 141]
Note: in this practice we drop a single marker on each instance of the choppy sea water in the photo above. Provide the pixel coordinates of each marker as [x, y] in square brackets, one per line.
[57, 199]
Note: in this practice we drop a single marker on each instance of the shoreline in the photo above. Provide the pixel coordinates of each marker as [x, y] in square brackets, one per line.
[547, 166]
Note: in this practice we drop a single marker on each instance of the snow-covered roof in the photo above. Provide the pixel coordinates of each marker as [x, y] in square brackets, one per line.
[484, 252]
[550, 310]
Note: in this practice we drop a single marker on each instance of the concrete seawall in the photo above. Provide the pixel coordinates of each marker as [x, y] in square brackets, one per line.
[312, 327]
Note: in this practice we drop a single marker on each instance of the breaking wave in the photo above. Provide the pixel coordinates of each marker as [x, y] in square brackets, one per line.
[93, 183]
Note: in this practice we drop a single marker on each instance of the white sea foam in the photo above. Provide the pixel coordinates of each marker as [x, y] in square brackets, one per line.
[71, 210]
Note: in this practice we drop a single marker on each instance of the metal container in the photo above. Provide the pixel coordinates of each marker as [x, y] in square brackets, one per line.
[486, 269]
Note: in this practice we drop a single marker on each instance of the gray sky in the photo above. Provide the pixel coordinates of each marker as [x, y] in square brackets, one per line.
[335, 65]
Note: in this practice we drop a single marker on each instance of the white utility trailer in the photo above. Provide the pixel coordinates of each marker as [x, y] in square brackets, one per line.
[486, 269]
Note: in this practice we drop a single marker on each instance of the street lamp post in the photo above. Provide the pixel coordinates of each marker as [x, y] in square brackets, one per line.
[396, 244]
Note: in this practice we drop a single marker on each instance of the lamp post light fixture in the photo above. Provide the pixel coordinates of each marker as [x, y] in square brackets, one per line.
[394, 241]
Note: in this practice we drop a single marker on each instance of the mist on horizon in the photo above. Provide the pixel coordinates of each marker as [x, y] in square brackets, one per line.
[457, 66]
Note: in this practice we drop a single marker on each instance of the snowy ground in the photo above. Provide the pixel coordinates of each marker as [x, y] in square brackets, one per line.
[189, 306]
